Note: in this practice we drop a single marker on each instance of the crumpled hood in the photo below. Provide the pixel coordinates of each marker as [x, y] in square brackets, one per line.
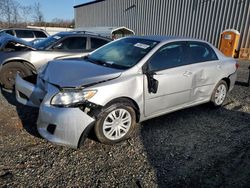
[5, 38]
[77, 73]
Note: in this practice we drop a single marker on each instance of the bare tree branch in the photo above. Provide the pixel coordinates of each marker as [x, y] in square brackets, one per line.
[38, 15]
[9, 11]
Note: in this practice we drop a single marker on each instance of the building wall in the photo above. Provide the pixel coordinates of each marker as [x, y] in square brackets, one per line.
[203, 19]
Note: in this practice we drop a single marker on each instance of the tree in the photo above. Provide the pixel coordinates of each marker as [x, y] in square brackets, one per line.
[38, 15]
[26, 13]
[12, 14]
[57, 22]
[9, 11]
[15, 16]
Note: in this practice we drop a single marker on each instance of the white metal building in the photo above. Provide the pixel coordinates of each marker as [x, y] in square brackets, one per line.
[203, 19]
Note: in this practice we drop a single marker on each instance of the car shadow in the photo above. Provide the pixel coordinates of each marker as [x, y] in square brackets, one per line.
[199, 147]
[247, 78]
[28, 115]
[245, 84]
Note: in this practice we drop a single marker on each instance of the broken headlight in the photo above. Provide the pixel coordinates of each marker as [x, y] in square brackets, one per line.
[71, 97]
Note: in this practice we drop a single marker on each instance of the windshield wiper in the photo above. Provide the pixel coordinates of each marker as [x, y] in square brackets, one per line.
[100, 62]
[104, 63]
[97, 61]
[89, 59]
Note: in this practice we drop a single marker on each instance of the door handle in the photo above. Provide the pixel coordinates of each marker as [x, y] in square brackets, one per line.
[187, 73]
[218, 66]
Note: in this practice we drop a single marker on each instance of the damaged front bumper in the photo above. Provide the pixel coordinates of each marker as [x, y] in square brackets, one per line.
[28, 93]
[63, 126]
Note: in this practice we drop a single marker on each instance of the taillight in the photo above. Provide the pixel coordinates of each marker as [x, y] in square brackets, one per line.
[237, 65]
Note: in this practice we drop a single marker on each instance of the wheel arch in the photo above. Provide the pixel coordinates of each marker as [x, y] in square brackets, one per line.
[129, 101]
[24, 62]
[227, 80]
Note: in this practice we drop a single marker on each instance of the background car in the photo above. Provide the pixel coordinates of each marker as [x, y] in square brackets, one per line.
[17, 56]
[124, 82]
[26, 34]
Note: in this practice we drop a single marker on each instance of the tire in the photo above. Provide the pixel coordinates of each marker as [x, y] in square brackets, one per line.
[9, 71]
[115, 124]
[219, 94]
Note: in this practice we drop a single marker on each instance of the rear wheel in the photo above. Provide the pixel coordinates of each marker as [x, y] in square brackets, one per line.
[219, 93]
[9, 72]
[115, 124]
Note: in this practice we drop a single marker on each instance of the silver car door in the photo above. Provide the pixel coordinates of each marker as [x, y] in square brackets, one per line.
[69, 47]
[39, 58]
[167, 68]
[206, 70]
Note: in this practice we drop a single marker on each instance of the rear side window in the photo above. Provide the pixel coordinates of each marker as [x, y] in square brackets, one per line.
[24, 34]
[40, 34]
[96, 42]
[168, 56]
[200, 52]
[72, 43]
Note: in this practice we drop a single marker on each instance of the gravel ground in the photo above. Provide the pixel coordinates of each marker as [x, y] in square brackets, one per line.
[196, 147]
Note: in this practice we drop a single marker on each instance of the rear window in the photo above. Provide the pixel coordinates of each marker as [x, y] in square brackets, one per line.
[10, 32]
[40, 34]
[96, 42]
[24, 34]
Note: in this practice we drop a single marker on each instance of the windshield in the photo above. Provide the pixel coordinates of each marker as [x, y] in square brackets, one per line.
[45, 43]
[123, 53]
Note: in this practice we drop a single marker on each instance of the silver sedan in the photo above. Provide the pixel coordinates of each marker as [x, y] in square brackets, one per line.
[125, 82]
[18, 56]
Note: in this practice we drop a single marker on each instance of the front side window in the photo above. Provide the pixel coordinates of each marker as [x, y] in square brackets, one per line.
[200, 52]
[24, 34]
[96, 42]
[169, 56]
[123, 53]
[72, 43]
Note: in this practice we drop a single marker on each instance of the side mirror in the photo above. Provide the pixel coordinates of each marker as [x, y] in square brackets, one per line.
[58, 46]
[152, 82]
[145, 68]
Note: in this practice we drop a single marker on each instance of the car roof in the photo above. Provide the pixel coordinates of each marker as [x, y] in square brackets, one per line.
[70, 33]
[161, 38]
[30, 29]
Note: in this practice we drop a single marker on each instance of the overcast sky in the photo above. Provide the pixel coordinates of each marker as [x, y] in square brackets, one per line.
[62, 9]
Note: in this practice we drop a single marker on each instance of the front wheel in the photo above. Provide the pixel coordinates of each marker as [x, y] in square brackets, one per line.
[9, 71]
[115, 124]
[219, 93]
